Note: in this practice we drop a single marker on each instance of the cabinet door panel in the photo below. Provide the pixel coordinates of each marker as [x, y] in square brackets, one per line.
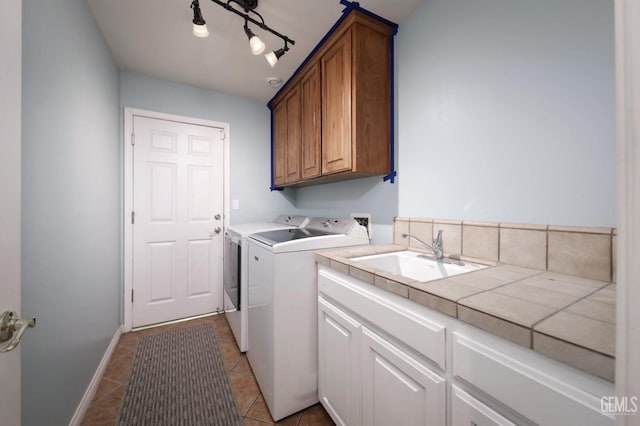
[311, 122]
[397, 388]
[279, 142]
[336, 106]
[338, 364]
[468, 411]
[292, 145]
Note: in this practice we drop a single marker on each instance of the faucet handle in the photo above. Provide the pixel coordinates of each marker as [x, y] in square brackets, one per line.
[438, 240]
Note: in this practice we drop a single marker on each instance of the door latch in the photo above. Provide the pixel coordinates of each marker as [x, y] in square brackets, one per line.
[10, 324]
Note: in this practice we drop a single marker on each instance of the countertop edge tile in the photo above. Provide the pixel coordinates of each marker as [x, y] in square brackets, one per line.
[559, 346]
[584, 359]
[502, 328]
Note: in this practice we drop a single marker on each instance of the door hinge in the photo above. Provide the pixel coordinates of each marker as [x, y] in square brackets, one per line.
[133, 139]
[133, 217]
[131, 295]
[222, 134]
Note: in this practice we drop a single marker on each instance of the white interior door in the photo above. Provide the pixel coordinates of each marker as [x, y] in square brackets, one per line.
[178, 196]
[10, 123]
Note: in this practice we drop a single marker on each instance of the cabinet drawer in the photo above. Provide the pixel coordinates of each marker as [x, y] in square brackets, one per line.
[466, 410]
[526, 389]
[396, 315]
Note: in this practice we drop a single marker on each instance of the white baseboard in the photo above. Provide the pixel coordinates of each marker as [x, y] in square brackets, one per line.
[95, 381]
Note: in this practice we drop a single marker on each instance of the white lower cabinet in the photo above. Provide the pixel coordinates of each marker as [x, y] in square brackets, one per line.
[338, 364]
[468, 411]
[384, 360]
[398, 388]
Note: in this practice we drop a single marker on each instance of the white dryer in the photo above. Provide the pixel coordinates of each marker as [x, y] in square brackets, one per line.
[283, 320]
[236, 284]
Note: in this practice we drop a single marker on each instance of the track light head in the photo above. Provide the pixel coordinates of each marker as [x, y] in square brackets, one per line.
[257, 45]
[199, 25]
[274, 56]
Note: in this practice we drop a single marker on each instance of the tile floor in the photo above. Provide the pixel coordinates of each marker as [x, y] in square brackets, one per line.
[105, 404]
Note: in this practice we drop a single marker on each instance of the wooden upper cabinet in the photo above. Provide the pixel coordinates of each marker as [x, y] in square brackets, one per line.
[292, 144]
[337, 108]
[279, 141]
[311, 123]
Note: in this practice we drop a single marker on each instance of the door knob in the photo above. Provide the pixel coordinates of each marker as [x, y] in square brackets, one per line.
[215, 231]
[10, 324]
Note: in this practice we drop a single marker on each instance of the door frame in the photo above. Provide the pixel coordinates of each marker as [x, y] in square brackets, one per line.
[127, 261]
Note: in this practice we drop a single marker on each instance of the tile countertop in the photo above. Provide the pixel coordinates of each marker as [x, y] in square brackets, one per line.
[567, 318]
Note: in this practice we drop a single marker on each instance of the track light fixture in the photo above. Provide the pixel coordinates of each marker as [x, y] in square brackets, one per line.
[256, 44]
[199, 25]
[274, 56]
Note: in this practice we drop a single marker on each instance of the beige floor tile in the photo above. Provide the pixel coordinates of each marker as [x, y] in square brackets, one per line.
[245, 389]
[243, 367]
[118, 369]
[292, 420]
[230, 353]
[105, 411]
[251, 422]
[105, 387]
[260, 411]
[129, 340]
[315, 416]
[120, 351]
[223, 332]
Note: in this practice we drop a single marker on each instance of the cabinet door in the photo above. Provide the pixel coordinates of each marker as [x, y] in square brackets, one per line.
[468, 411]
[292, 145]
[279, 142]
[338, 364]
[311, 123]
[336, 106]
[398, 388]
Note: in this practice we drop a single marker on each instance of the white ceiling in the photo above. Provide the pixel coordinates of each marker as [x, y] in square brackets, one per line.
[153, 38]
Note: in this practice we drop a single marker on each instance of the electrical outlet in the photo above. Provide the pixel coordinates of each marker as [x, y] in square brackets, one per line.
[364, 219]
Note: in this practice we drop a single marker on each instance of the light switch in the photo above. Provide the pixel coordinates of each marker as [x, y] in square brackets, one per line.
[235, 204]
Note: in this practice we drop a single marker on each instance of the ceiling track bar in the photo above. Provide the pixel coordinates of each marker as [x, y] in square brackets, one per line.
[262, 25]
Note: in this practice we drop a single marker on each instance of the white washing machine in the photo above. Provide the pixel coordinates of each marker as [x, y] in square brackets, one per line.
[236, 283]
[283, 330]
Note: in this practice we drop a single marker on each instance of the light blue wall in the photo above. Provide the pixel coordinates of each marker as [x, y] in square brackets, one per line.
[70, 206]
[250, 157]
[340, 199]
[250, 141]
[506, 111]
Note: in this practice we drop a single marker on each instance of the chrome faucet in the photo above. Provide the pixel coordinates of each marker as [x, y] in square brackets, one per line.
[436, 249]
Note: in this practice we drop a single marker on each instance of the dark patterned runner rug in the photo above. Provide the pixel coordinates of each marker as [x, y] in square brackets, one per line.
[178, 378]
